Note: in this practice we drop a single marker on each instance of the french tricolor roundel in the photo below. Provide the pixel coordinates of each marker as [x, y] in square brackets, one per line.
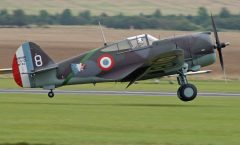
[105, 62]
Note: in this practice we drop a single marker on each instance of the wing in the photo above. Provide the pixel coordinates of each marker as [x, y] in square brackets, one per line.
[165, 63]
[162, 65]
[199, 72]
[194, 73]
[6, 71]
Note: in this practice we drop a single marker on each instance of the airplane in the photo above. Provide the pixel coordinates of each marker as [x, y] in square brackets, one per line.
[135, 58]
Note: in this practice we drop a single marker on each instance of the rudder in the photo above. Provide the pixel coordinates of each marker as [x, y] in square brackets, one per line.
[28, 58]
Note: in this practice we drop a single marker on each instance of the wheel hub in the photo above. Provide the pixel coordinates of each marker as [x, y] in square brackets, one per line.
[188, 92]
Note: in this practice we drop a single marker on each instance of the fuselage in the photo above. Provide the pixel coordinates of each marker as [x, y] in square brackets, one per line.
[124, 56]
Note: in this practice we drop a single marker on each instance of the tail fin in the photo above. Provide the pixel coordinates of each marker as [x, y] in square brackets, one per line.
[28, 58]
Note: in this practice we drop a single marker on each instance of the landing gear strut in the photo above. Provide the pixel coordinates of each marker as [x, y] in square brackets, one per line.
[51, 94]
[186, 91]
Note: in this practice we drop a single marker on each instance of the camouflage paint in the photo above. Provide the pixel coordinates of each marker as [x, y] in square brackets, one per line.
[86, 57]
[163, 57]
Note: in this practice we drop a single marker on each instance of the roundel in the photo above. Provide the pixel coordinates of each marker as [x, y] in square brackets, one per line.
[105, 62]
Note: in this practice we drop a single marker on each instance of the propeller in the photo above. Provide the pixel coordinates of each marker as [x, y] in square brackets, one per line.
[219, 46]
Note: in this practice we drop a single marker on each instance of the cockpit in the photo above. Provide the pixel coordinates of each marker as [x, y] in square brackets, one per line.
[141, 40]
[135, 42]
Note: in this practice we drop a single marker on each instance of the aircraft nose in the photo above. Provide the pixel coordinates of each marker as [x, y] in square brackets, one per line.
[204, 44]
[209, 44]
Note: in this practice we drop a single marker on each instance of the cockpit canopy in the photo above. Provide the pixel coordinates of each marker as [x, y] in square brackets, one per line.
[134, 42]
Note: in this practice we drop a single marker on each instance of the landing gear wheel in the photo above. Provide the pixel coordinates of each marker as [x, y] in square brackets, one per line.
[187, 92]
[50, 94]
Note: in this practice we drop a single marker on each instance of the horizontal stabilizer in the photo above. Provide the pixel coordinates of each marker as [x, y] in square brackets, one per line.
[50, 67]
[6, 71]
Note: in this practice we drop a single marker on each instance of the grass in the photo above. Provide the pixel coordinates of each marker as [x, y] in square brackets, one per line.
[115, 120]
[132, 7]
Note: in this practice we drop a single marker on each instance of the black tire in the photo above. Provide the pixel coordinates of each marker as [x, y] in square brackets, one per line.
[51, 94]
[187, 92]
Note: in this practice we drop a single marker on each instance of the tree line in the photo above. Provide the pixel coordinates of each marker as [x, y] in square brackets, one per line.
[225, 20]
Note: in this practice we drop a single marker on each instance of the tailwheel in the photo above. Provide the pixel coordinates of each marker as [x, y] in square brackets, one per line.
[187, 92]
[51, 94]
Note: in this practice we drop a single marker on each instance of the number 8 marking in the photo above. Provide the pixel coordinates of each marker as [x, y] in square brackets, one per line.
[38, 60]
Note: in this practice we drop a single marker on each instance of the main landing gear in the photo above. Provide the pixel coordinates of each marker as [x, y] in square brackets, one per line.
[51, 94]
[186, 91]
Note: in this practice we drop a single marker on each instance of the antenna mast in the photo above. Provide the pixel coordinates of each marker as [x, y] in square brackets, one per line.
[175, 41]
[103, 36]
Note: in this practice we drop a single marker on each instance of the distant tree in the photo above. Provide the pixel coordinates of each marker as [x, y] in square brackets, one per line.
[153, 21]
[203, 13]
[43, 14]
[189, 17]
[44, 17]
[3, 12]
[103, 15]
[85, 14]
[231, 23]
[120, 15]
[86, 18]
[66, 18]
[4, 17]
[141, 14]
[157, 14]
[19, 18]
[203, 17]
[224, 13]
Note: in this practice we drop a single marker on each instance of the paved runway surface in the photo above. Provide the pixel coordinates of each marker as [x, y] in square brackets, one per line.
[134, 93]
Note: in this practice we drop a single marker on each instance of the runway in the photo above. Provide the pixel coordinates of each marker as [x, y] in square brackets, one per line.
[92, 92]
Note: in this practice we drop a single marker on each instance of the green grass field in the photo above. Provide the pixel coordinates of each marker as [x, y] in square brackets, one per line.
[118, 120]
[110, 7]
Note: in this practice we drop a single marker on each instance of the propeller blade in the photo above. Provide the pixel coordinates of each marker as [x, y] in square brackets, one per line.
[221, 58]
[215, 31]
[222, 64]
[225, 76]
